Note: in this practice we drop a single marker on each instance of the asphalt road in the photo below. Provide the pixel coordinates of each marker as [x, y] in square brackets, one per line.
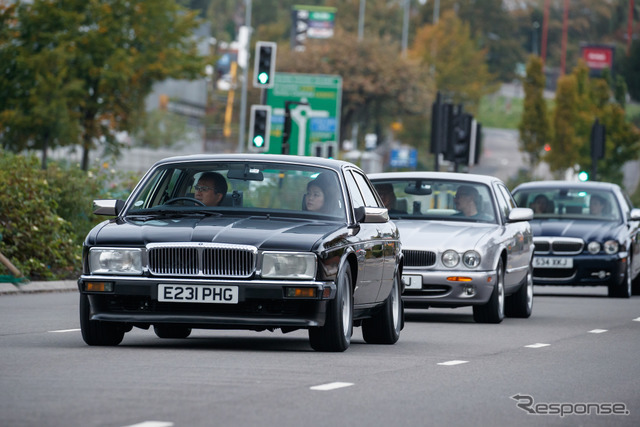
[578, 348]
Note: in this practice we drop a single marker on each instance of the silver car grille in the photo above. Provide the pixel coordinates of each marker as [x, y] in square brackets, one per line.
[414, 258]
[558, 245]
[202, 259]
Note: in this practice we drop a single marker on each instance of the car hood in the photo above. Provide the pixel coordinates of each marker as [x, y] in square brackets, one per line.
[262, 232]
[442, 234]
[587, 230]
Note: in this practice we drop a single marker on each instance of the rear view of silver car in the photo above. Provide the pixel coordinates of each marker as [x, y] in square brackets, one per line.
[464, 240]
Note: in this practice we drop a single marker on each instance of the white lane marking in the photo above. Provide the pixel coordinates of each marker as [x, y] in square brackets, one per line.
[537, 345]
[153, 424]
[597, 331]
[65, 330]
[330, 386]
[453, 362]
[637, 319]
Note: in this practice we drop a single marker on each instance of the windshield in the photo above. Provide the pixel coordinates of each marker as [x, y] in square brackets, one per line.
[569, 203]
[217, 188]
[436, 199]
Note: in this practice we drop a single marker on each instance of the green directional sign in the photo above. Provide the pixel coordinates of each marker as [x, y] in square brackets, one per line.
[314, 105]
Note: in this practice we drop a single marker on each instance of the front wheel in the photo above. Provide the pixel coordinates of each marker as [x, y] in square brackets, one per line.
[335, 335]
[493, 310]
[624, 289]
[384, 327]
[95, 332]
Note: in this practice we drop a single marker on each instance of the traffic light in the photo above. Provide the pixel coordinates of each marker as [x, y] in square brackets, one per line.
[259, 128]
[459, 138]
[265, 64]
[583, 176]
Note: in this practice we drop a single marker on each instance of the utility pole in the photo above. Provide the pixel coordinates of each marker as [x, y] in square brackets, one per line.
[245, 78]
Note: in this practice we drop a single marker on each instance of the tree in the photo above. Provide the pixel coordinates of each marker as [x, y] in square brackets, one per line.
[112, 52]
[449, 48]
[375, 78]
[565, 144]
[535, 129]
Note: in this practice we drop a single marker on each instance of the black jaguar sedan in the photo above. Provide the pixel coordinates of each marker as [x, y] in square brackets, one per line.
[585, 234]
[256, 242]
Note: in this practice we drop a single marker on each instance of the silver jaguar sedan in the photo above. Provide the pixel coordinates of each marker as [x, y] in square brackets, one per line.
[465, 242]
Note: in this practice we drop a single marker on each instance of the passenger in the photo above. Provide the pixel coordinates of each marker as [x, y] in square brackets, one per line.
[211, 188]
[540, 204]
[598, 206]
[467, 201]
[388, 197]
[320, 196]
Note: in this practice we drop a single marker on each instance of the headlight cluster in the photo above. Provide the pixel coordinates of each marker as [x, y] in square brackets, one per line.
[610, 247]
[287, 265]
[470, 259]
[115, 261]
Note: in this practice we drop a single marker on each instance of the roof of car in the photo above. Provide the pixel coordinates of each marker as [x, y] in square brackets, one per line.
[591, 185]
[258, 157]
[453, 176]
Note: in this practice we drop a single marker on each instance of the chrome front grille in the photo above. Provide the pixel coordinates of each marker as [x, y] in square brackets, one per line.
[414, 258]
[202, 259]
[558, 245]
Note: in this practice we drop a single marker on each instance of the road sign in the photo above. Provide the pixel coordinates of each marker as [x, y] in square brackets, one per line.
[314, 112]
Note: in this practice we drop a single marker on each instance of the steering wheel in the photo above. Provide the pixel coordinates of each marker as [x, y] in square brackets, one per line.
[184, 199]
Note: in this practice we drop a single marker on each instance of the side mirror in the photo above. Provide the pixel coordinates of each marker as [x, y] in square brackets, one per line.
[369, 214]
[634, 215]
[108, 207]
[520, 214]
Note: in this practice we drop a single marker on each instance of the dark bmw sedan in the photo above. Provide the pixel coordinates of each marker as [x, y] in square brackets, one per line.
[585, 233]
[256, 242]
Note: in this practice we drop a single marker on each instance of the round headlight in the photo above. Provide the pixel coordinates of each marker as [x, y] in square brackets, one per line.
[611, 247]
[450, 258]
[471, 259]
[593, 247]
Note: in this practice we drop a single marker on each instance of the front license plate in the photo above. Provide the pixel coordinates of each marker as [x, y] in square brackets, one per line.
[552, 262]
[412, 281]
[200, 293]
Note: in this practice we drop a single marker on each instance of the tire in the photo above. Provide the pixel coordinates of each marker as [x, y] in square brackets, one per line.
[171, 331]
[624, 289]
[635, 283]
[520, 304]
[493, 310]
[385, 326]
[95, 332]
[335, 335]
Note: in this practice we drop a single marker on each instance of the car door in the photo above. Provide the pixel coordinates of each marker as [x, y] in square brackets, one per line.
[517, 240]
[367, 248]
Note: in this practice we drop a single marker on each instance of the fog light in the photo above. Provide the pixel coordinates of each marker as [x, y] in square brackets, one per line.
[301, 292]
[98, 287]
[469, 290]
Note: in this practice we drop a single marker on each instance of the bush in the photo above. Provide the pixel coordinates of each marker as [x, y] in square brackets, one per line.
[46, 214]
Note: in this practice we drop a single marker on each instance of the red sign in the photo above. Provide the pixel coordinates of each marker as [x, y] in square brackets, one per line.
[598, 57]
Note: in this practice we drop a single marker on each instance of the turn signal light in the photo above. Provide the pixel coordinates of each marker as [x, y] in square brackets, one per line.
[459, 279]
[98, 286]
[301, 292]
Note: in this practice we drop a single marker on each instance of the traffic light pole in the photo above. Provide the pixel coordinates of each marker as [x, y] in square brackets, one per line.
[286, 133]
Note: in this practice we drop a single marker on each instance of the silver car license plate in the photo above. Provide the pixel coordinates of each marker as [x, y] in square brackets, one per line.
[552, 262]
[412, 281]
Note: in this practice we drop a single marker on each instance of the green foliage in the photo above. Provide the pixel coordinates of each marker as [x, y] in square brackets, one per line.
[45, 214]
[162, 129]
[534, 127]
[79, 71]
[565, 144]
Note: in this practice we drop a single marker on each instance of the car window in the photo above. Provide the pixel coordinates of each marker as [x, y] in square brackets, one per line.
[365, 190]
[261, 187]
[570, 203]
[354, 191]
[418, 198]
[505, 200]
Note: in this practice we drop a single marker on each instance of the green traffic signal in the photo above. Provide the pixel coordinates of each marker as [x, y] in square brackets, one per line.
[258, 141]
[263, 78]
[583, 176]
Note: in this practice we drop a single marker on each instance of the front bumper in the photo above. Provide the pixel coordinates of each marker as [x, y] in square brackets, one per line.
[438, 291]
[261, 304]
[587, 270]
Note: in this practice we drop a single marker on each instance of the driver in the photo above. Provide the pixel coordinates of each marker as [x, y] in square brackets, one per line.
[211, 188]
